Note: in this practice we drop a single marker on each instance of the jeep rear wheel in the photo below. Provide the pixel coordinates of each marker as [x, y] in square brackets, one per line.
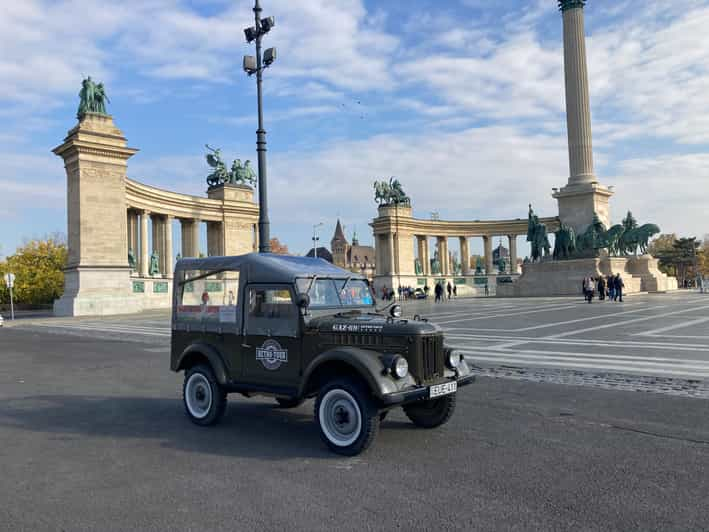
[432, 413]
[203, 397]
[347, 420]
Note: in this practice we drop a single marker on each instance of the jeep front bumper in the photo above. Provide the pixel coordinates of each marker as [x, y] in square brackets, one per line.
[422, 393]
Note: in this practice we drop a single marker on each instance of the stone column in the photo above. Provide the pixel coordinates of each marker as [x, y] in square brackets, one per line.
[427, 257]
[583, 196]
[215, 239]
[190, 237]
[578, 108]
[390, 254]
[133, 232]
[420, 244]
[167, 248]
[464, 255]
[513, 253]
[487, 245]
[144, 252]
[440, 248]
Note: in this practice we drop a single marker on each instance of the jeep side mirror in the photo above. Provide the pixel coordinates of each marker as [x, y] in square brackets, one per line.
[303, 301]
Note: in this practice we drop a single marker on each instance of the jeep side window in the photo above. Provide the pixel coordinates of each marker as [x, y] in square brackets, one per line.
[208, 298]
[271, 312]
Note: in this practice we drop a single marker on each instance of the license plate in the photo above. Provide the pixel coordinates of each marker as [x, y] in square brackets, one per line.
[442, 389]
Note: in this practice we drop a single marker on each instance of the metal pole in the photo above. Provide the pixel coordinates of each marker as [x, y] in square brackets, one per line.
[264, 245]
[12, 306]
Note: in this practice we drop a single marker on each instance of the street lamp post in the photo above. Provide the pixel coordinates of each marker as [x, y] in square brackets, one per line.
[256, 65]
[315, 239]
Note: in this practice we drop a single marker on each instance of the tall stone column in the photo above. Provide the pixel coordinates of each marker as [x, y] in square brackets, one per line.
[421, 244]
[132, 218]
[487, 246]
[427, 257]
[583, 196]
[440, 248]
[390, 254]
[513, 252]
[167, 248]
[464, 255]
[144, 248]
[215, 239]
[190, 237]
[157, 223]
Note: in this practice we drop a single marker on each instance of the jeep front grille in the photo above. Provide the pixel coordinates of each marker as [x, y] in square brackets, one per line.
[432, 357]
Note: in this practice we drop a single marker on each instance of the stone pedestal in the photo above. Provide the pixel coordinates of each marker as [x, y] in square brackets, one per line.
[564, 277]
[578, 204]
[97, 276]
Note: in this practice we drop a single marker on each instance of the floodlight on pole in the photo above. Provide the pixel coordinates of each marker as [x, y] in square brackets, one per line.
[316, 238]
[256, 65]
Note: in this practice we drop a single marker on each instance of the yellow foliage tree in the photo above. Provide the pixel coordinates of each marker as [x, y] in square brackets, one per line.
[38, 272]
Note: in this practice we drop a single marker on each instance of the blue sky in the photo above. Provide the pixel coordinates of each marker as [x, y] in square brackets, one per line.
[462, 100]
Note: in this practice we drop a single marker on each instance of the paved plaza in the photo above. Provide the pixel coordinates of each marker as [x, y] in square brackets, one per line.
[95, 437]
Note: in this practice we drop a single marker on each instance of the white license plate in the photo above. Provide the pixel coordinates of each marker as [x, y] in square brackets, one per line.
[442, 389]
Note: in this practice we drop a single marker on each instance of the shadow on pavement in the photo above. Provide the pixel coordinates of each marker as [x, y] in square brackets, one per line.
[247, 430]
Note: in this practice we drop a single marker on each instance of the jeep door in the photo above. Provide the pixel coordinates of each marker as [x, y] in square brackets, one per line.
[271, 352]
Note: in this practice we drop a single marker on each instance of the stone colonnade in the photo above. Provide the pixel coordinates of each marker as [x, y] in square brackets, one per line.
[109, 215]
[229, 213]
[395, 230]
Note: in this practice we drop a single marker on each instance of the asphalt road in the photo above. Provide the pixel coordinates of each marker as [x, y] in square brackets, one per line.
[93, 437]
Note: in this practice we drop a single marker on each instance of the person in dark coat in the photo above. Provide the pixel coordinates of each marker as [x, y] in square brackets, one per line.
[439, 292]
[455, 291]
[610, 283]
[601, 288]
[619, 285]
[450, 289]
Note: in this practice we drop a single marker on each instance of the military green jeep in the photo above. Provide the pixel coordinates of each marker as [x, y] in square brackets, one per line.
[295, 328]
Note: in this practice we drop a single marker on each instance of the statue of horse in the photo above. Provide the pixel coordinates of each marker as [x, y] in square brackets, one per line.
[220, 174]
[612, 238]
[638, 238]
[564, 243]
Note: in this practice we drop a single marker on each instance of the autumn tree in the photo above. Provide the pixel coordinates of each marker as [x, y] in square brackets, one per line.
[278, 248]
[37, 266]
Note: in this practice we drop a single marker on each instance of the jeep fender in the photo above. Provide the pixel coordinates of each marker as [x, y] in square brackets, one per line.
[366, 363]
[208, 352]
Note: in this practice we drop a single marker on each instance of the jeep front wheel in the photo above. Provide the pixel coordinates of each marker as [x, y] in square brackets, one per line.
[432, 413]
[347, 420]
[204, 398]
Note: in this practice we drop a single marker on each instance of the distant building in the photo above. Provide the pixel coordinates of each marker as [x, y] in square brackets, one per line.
[352, 257]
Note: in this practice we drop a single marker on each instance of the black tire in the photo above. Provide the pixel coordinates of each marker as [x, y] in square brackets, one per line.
[284, 402]
[204, 399]
[432, 413]
[347, 420]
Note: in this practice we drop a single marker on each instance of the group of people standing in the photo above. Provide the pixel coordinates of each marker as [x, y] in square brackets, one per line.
[610, 287]
[439, 291]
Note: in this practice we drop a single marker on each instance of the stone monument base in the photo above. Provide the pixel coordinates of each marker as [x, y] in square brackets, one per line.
[564, 277]
[97, 291]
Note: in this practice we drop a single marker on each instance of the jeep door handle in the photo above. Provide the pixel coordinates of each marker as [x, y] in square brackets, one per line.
[246, 345]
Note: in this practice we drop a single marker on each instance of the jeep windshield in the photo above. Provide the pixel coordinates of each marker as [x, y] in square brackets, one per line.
[336, 293]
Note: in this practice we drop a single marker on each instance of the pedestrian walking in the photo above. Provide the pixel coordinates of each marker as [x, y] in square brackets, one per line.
[610, 283]
[455, 290]
[601, 288]
[449, 289]
[487, 289]
[590, 288]
[438, 291]
[619, 285]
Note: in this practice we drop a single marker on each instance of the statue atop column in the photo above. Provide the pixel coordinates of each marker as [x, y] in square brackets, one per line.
[238, 175]
[390, 193]
[92, 98]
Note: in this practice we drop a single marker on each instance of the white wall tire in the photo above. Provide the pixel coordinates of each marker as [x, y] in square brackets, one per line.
[347, 421]
[203, 397]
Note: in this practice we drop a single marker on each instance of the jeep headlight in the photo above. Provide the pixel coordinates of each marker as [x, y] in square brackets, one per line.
[399, 367]
[452, 359]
